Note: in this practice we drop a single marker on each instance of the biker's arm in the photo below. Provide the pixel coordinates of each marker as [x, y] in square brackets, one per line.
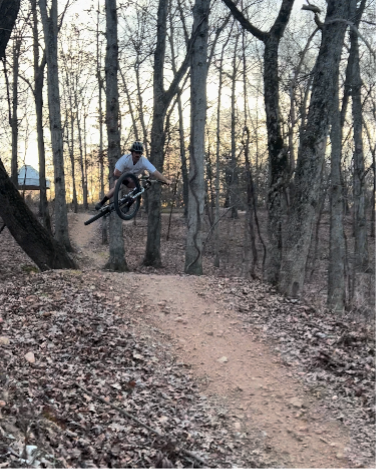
[157, 175]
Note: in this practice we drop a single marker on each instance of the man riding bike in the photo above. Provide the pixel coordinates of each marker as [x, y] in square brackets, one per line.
[134, 163]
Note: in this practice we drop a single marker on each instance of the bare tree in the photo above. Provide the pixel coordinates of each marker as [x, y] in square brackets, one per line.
[198, 71]
[278, 158]
[39, 68]
[297, 238]
[162, 100]
[32, 237]
[100, 84]
[117, 260]
[233, 161]
[184, 167]
[14, 115]
[336, 268]
[50, 28]
[217, 172]
[361, 256]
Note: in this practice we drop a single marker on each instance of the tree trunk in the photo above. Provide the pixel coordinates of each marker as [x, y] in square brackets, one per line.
[70, 141]
[336, 268]
[14, 121]
[233, 174]
[117, 260]
[278, 158]
[32, 237]
[278, 161]
[130, 104]
[152, 256]
[38, 99]
[299, 227]
[8, 14]
[162, 99]
[193, 256]
[372, 228]
[184, 167]
[85, 161]
[249, 250]
[217, 168]
[361, 255]
[141, 113]
[50, 28]
[100, 82]
[81, 159]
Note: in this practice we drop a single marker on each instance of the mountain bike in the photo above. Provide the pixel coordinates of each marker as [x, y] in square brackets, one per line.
[129, 190]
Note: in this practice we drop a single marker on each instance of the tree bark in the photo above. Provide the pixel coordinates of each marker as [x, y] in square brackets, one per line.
[298, 231]
[32, 237]
[233, 173]
[193, 255]
[116, 260]
[81, 157]
[162, 99]
[361, 255]
[249, 250]
[39, 69]
[278, 157]
[50, 28]
[8, 14]
[336, 268]
[14, 121]
[100, 82]
[70, 142]
[184, 167]
[217, 168]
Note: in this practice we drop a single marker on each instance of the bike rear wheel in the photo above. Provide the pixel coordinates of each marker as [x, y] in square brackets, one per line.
[125, 204]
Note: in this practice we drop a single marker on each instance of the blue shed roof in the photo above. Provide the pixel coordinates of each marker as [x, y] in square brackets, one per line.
[28, 178]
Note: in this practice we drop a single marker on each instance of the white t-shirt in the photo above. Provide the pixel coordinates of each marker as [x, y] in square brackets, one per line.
[125, 163]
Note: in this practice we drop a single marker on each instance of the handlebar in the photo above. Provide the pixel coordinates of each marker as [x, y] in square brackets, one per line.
[148, 179]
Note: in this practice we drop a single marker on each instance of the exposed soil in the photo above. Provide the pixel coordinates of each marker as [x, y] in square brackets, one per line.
[249, 403]
[243, 374]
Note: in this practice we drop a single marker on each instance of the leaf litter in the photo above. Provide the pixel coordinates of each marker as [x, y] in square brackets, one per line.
[333, 356]
[80, 388]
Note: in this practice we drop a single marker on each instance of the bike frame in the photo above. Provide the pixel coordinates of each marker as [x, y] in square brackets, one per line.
[146, 185]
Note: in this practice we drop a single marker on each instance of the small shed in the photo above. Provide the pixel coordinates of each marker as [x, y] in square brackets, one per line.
[28, 179]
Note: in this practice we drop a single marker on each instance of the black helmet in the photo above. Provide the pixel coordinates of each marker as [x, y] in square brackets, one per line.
[137, 147]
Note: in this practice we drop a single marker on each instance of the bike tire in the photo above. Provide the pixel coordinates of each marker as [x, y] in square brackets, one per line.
[97, 216]
[136, 203]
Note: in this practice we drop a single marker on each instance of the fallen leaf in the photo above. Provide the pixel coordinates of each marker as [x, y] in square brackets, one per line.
[30, 357]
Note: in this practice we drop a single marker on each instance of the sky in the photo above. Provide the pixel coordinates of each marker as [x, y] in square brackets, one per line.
[75, 12]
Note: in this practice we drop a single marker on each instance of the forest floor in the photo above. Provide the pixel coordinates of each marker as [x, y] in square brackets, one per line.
[214, 369]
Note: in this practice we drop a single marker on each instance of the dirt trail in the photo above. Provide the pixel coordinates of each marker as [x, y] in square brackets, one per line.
[232, 366]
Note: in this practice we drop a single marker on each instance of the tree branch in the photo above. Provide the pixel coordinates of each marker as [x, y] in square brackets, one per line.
[355, 30]
[184, 66]
[282, 18]
[315, 10]
[261, 35]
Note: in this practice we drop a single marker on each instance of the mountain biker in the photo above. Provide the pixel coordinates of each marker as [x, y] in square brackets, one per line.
[134, 163]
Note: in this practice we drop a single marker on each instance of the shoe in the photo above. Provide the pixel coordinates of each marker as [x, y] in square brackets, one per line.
[98, 206]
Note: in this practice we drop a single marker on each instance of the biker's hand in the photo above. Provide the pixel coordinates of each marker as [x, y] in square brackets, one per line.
[168, 182]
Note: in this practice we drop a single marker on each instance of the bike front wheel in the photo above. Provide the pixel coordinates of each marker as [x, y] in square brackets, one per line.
[125, 204]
